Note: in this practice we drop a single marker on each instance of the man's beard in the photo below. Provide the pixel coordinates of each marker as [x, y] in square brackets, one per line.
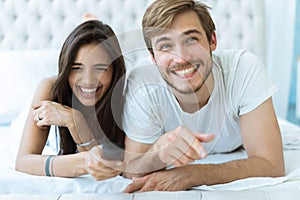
[190, 90]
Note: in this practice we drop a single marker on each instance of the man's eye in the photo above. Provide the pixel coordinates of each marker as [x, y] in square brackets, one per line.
[192, 39]
[164, 47]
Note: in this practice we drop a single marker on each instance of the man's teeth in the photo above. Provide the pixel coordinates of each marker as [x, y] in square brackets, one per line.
[88, 90]
[186, 71]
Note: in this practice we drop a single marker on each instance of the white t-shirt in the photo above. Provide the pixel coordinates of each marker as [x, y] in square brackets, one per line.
[241, 85]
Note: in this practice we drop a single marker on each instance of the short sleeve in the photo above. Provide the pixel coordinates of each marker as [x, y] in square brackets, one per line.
[142, 120]
[251, 85]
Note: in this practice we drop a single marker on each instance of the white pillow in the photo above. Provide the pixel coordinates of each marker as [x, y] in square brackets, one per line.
[21, 71]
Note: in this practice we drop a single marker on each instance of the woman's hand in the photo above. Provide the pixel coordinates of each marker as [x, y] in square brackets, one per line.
[47, 113]
[99, 168]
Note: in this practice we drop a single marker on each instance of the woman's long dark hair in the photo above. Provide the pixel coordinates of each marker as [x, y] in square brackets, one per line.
[104, 119]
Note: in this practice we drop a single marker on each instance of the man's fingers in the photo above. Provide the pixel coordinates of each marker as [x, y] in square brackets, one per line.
[190, 150]
[193, 147]
[136, 185]
[178, 155]
[203, 137]
[148, 186]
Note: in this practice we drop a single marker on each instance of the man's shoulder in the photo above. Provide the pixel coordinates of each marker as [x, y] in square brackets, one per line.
[230, 52]
[229, 60]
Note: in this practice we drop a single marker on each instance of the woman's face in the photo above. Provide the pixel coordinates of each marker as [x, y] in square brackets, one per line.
[91, 74]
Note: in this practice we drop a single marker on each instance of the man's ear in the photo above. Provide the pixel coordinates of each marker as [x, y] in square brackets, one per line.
[152, 56]
[213, 43]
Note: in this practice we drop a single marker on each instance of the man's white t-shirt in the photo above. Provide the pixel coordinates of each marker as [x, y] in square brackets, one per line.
[241, 85]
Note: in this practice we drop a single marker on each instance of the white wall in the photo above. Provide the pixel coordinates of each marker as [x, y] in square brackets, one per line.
[280, 23]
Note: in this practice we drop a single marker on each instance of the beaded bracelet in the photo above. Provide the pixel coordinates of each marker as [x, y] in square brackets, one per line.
[86, 143]
[47, 165]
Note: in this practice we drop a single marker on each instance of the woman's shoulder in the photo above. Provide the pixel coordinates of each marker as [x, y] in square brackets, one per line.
[49, 81]
[43, 90]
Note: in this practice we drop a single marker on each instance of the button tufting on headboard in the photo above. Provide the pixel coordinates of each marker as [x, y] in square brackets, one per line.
[240, 24]
[38, 24]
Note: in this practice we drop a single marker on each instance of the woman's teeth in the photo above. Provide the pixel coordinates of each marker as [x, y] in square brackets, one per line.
[88, 90]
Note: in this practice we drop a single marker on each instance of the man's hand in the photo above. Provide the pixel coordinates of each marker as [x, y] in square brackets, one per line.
[169, 180]
[181, 146]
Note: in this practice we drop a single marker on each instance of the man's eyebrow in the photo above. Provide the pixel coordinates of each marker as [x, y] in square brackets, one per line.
[162, 39]
[184, 33]
[191, 31]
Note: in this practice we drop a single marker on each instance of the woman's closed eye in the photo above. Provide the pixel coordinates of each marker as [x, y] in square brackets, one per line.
[76, 68]
[101, 67]
[97, 67]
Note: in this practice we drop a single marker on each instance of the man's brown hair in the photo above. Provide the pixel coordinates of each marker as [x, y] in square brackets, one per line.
[160, 15]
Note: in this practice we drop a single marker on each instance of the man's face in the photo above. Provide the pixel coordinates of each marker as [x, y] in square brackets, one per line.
[183, 53]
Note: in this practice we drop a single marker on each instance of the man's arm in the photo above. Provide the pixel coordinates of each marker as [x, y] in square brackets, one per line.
[178, 148]
[139, 160]
[262, 141]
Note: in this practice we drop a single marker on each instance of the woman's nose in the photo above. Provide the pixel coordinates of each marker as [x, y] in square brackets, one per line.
[89, 77]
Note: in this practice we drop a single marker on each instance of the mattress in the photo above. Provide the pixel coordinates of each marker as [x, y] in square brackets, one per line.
[17, 185]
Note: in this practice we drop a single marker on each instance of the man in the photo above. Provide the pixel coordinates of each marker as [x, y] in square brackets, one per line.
[202, 103]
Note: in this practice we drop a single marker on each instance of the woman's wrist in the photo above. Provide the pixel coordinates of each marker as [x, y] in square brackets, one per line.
[74, 123]
[81, 165]
[86, 144]
[74, 116]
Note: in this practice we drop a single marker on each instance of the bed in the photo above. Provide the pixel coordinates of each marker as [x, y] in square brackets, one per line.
[31, 34]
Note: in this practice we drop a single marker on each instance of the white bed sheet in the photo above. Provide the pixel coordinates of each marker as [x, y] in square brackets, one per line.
[16, 185]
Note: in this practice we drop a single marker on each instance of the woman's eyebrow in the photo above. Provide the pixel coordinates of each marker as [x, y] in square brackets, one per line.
[101, 65]
[75, 63]
[95, 65]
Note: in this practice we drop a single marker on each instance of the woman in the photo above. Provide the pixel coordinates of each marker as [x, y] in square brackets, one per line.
[83, 101]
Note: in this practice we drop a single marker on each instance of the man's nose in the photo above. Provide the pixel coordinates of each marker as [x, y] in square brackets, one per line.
[181, 54]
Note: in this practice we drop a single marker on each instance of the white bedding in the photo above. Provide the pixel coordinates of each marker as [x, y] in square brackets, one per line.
[29, 44]
[14, 185]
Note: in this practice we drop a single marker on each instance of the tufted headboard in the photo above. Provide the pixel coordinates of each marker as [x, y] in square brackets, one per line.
[240, 24]
[36, 24]
[32, 33]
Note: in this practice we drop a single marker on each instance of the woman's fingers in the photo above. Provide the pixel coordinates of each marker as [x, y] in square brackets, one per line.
[99, 167]
[47, 113]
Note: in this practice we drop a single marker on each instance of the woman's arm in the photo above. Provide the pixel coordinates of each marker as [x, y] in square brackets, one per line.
[34, 138]
[35, 134]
